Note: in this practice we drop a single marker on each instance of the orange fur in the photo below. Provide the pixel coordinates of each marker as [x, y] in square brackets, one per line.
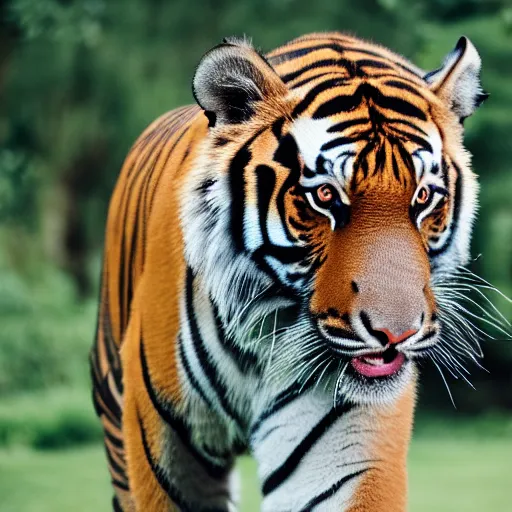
[385, 487]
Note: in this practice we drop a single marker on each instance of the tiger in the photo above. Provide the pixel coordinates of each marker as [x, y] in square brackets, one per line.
[267, 283]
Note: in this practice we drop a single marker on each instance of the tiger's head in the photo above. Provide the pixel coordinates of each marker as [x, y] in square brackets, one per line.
[332, 193]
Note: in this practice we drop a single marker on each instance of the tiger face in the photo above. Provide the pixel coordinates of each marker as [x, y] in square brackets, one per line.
[333, 185]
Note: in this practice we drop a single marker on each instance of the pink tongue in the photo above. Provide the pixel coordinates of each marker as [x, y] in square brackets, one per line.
[380, 370]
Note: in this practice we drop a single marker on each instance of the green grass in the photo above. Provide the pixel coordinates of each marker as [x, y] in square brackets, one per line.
[446, 475]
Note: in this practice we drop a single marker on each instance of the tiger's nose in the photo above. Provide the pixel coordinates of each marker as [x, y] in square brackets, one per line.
[397, 331]
[389, 338]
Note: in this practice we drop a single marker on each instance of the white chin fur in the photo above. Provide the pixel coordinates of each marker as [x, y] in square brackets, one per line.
[377, 391]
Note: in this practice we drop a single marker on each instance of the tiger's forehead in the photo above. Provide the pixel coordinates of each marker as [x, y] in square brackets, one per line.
[335, 147]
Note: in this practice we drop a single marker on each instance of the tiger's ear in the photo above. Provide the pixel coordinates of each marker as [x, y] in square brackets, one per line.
[230, 79]
[457, 81]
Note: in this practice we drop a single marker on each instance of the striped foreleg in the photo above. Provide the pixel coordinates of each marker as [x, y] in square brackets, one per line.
[313, 456]
[167, 467]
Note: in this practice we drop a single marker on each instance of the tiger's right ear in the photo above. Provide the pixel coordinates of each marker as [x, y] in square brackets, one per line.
[457, 81]
[230, 79]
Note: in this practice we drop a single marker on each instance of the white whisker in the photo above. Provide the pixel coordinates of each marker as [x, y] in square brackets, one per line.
[337, 385]
[444, 380]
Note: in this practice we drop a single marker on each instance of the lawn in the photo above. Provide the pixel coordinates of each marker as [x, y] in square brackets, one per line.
[446, 475]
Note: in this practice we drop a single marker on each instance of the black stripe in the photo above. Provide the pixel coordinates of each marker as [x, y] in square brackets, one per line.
[277, 127]
[445, 172]
[340, 332]
[244, 359]
[297, 225]
[287, 154]
[362, 162]
[237, 190]
[314, 65]
[112, 409]
[317, 263]
[457, 199]
[114, 440]
[265, 183]
[406, 158]
[320, 165]
[397, 84]
[331, 491]
[195, 384]
[314, 92]
[220, 141]
[399, 105]
[281, 474]
[117, 468]
[190, 374]
[339, 127]
[133, 243]
[166, 412]
[167, 486]
[164, 483]
[427, 336]
[186, 153]
[414, 138]
[406, 123]
[295, 277]
[280, 401]
[110, 344]
[285, 255]
[380, 159]
[311, 79]
[308, 173]
[209, 367]
[301, 52]
[341, 141]
[371, 63]
[115, 504]
[396, 170]
[102, 410]
[117, 483]
[340, 103]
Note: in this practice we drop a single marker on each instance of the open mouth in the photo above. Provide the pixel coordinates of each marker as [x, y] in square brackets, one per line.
[382, 364]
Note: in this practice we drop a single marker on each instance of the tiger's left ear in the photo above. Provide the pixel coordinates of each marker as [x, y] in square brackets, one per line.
[231, 79]
[457, 82]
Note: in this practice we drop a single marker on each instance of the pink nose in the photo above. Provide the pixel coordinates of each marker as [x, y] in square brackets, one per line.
[392, 339]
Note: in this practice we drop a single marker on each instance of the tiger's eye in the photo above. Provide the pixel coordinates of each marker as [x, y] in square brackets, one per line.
[423, 195]
[325, 194]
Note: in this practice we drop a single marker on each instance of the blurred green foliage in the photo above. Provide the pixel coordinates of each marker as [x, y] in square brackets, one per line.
[79, 80]
[45, 334]
[49, 419]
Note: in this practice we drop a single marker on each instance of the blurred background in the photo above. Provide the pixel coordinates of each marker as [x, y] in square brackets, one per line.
[79, 80]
